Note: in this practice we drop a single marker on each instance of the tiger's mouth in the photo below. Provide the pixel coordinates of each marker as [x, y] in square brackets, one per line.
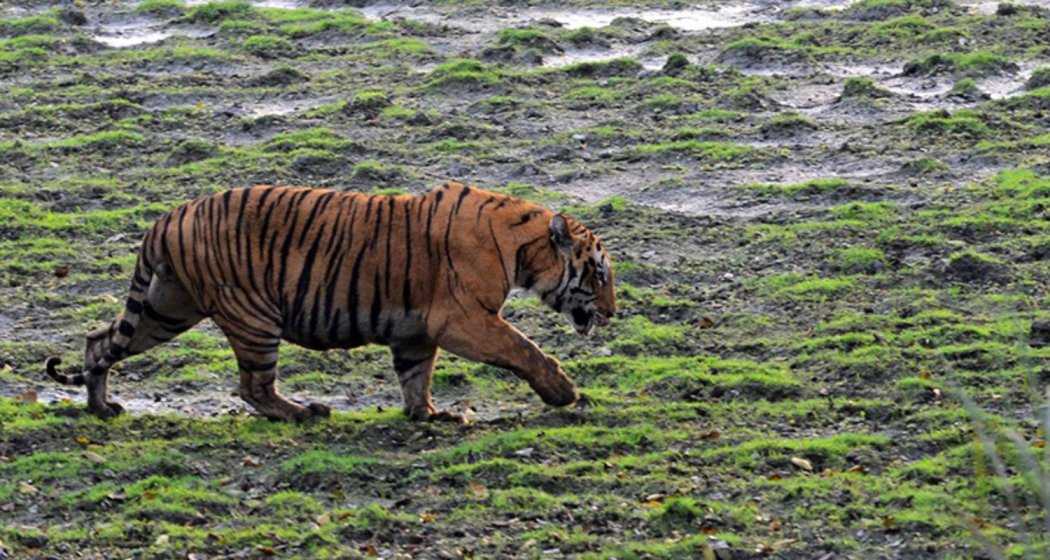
[584, 320]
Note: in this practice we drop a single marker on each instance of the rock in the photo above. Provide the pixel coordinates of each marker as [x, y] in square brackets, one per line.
[72, 16]
[1039, 334]
[191, 150]
[720, 549]
[675, 64]
[1005, 9]
[969, 266]
[280, 76]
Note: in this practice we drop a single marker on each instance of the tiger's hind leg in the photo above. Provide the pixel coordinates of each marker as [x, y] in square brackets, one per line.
[165, 312]
[414, 365]
[257, 354]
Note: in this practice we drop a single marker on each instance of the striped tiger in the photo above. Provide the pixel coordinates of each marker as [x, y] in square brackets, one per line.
[326, 269]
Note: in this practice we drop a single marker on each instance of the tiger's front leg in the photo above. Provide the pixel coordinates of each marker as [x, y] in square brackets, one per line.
[494, 341]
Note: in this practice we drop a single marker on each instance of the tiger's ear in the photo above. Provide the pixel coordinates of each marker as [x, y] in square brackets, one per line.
[560, 233]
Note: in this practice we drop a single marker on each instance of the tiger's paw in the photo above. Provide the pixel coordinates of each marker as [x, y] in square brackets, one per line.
[106, 410]
[313, 411]
[431, 414]
[559, 391]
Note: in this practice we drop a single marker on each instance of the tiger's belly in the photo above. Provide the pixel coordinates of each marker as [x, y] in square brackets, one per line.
[341, 330]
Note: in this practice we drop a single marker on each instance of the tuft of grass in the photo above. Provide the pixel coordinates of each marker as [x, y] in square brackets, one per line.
[269, 46]
[860, 260]
[972, 64]
[463, 72]
[323, 468]
[30, 25]
[706, 150]
[813, 187]
[216, 11]
[161, 7]
[965, 123]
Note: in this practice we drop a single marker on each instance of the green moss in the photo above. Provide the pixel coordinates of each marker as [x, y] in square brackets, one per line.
[808, 188]
[707, 150]
[370, 100]
[306, 22]
[463, 72]
[821, 452]
[268, 46]
[160, 7]
[638, 334]
[29, 25]
[608, 68]
[972, 64]
[794, 286]
[321, 467]
[860, 260]
[961, 123]
[216, 11]
[399, 46]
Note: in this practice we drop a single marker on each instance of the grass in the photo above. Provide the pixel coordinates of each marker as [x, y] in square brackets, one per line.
[463, 72]
[971, 64]
[963, 123]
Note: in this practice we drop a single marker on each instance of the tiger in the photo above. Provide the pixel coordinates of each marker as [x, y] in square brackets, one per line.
[327, 269]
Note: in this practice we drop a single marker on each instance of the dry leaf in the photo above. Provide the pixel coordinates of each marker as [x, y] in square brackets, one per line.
[27, 488]
[888, 522]
[369, 550]
[94, 457]
[323, 519]
[802, 463]
[427, 517]
[82, 440]
[27, 397]
[162, 540]
[61, 271]
[712, 435]
[250, 461]
[479, 490]
[705, 323]
[856, 469]
[266, 550]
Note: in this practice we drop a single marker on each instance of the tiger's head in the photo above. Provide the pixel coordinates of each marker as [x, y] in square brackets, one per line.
[584, 292]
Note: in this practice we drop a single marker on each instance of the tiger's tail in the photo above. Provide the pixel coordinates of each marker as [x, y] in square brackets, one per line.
[108, 345]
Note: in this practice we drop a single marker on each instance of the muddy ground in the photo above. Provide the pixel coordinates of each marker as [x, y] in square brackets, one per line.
[831, 224]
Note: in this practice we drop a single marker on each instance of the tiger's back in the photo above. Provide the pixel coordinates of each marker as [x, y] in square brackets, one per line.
[331, 269]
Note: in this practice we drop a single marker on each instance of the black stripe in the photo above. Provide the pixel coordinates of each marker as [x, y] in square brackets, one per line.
[402, 365]
[406, 287]
[319, 206]
[481, 207]
[499, 253]
[459, 201]
[159, 317]
[250, 366]
[376, 305]
[430, 220]
[125, 328]
[133, 306]
[304, 277]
